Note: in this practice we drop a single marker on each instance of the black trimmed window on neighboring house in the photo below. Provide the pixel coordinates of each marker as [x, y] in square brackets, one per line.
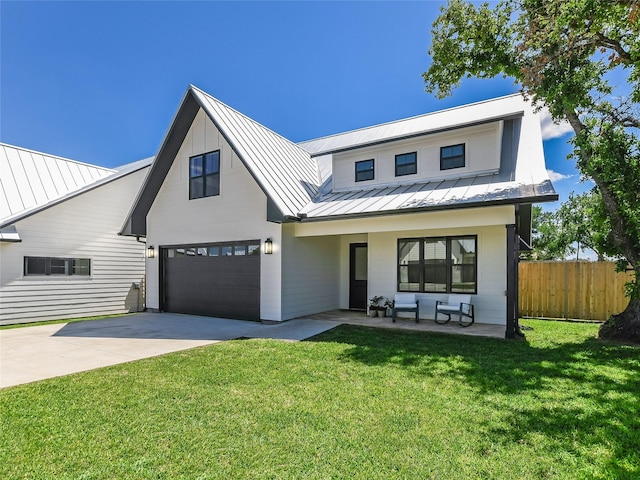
[438, 264]
[365, 170]
[204, 175]
[452, 156]
[57, 266]
[406, 164]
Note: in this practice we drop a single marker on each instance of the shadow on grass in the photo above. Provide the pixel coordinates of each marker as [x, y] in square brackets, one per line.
[583, 394]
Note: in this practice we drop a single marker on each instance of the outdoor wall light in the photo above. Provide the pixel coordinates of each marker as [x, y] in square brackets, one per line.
[268, 246]
[151, 252]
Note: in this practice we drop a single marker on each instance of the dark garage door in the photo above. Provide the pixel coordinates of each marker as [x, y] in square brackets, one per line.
[219, 280]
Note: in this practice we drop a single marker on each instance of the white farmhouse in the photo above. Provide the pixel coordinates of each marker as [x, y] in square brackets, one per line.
[244, 223]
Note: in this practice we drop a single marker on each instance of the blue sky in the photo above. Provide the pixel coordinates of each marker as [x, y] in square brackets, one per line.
[99, 82]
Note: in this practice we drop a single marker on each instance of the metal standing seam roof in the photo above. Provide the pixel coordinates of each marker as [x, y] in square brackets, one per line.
[32, 181]
[471, 114]
[284, 170]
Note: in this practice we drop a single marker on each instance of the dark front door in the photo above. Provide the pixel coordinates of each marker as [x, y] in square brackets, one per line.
[358, 276]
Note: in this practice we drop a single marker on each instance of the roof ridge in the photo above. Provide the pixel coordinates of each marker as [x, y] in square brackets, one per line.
[249, 118]
[391, 122]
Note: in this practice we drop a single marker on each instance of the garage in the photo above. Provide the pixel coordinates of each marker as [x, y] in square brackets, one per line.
[217, 279]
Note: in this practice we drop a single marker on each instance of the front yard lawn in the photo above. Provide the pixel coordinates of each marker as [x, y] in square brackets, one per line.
[351, 403]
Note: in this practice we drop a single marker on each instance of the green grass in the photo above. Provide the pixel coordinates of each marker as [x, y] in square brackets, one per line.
[351, 403]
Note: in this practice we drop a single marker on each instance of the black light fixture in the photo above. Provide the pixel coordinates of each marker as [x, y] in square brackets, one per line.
[151, 252]
[268, 246]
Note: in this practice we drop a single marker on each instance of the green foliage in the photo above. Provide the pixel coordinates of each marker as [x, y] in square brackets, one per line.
[579, 58]
[352, 403]
[578, 224]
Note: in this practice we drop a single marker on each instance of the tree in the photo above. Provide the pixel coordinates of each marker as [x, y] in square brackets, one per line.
[573, 227]
[580, 59]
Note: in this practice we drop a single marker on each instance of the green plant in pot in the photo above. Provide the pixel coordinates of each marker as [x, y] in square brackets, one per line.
[376, 305]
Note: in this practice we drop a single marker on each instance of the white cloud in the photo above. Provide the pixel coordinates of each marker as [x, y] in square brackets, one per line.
[550, 129]
[556, 177]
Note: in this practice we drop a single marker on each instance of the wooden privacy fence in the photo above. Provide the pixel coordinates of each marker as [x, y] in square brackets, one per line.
[581, 290]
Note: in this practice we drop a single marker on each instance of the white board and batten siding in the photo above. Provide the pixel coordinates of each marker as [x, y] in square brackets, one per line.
[237, 214]
[85, 226]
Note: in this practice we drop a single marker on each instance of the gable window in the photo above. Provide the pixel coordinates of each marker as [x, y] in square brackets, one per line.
[406, 164]
[437, 264]
[452, 157]
[56, 266]
[204, 175]
[364, 170]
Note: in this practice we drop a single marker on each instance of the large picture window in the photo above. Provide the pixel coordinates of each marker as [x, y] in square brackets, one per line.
[437, 264]
[56, 266]
[204, 175]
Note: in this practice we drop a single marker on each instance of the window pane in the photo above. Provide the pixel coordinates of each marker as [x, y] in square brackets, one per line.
[240, 250]
[212, 185]
[227, 251]
[452, 157]
[463, 250]
[180, 252]
[406, 164]
[463, 278]
[59, 266]
[253, 249]
[409, 265]
[81, 266]
[35, 266]
[364, 170]
[435, 265]
[171, 252]
[191, 252]
[214, 251]
[202, 251]
[361, 267]
[197, 187]
[195, 166]
[212, 163]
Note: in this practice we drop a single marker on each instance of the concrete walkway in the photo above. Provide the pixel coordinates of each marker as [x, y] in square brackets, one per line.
[28, 354]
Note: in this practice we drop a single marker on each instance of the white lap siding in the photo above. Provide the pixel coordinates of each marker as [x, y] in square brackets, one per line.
[85, 226]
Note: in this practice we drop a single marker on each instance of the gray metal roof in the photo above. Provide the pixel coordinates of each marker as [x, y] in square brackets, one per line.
[33, 181]
[30, 179]
[443, 120]
[521, 178]
[285, 171]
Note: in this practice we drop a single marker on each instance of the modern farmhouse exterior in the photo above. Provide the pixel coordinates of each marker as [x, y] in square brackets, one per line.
[60, 252]
[246, 224]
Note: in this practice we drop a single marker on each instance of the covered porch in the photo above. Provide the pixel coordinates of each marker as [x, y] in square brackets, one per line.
[350, 317]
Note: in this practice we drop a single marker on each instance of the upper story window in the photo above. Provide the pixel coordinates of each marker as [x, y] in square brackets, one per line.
[406, 164]
[204, 175]
[364, 170]
[56, 266]
[452, 157]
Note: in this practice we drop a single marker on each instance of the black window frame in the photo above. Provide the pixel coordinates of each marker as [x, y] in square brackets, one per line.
[51, 264]
[449, 265]
[404, 165]
[449, 162]
[367, 171]
[210, 181]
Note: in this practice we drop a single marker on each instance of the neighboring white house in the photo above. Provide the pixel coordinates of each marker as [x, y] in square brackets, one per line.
[60, 252]
[246, 224]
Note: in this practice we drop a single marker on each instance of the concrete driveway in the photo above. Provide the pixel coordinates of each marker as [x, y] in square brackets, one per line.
[28, 354]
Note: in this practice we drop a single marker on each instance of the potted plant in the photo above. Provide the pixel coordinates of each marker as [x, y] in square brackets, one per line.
[387, 305]
[374, 305]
